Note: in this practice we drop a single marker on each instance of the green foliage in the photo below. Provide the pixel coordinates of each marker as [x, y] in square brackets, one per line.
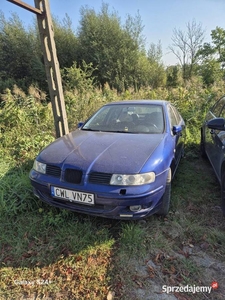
[155, 53]
[99, 36]
[193, 102]
[210, 71]
[19, 60]
[78, 78]
[218, 39]
[115, 51]
[15, 191]
[174, 76]
[212, 57]
[26, 123]
[66, 42]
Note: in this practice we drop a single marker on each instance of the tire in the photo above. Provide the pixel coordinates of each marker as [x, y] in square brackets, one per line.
[223, 193]
[165, 205]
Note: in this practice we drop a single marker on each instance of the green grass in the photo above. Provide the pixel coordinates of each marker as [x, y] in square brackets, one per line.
[64, 254]
[68, 249]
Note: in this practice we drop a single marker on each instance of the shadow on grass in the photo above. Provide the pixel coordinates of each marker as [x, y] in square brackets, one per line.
[195, 180]
[50, 252]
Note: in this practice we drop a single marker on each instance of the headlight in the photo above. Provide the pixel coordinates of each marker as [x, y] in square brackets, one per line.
[137, 179]
[39, 167]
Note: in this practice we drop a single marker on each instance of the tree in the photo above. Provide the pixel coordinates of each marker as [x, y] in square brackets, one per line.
[210, 71]
[99, 36]
[212, 57]
[20, 61]
[155, 52]
[218, 39]
[186, 45]
[15, 45]
[66, 42]
[114, 50]
[157, 74]
[173, 76]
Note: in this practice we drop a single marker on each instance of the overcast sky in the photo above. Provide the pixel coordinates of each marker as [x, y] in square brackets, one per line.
[159, 17]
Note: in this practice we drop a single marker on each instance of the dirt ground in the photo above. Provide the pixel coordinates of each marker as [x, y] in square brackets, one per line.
[153, 287]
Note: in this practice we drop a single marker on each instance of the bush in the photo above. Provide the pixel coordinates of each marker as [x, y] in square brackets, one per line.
[26, 124]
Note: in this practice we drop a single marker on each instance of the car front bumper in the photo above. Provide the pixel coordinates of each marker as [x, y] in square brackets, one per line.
[112, 204]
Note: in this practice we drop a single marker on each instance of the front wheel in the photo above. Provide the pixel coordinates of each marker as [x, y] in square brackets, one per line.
[165, 205]
[223, 193]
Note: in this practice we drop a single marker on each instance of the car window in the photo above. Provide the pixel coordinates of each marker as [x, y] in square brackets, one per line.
[100, 117]
[218, 109]
[222, 113]
[172, 116]
[139, 118]
[178, 116]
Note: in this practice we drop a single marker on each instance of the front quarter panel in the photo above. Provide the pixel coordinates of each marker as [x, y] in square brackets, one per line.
[160, 161]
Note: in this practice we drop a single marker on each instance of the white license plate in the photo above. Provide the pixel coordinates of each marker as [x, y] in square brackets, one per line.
[72, 196]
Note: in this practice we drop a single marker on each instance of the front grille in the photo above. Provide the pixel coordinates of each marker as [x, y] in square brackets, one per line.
[73, 176]
[53, 171]
[100, 178]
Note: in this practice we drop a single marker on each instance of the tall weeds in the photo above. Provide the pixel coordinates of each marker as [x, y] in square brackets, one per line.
[27, 123]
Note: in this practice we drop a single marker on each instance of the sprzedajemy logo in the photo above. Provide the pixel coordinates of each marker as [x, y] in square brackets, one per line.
[188, 289]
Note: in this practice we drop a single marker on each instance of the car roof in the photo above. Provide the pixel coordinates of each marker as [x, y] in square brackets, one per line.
[134, 102]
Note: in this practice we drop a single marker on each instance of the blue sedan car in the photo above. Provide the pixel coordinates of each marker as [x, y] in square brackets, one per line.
[213, 142]
[118, 164]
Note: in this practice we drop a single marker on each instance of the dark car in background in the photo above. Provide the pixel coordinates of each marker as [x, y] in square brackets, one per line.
[213, 142]
[118, 164]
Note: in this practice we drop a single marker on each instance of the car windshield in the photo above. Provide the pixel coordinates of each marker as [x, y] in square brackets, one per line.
[127, 118]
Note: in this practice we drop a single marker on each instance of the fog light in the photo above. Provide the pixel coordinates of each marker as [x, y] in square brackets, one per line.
[135, 207]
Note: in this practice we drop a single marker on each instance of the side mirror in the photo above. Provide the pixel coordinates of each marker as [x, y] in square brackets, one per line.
[80, 124]
[216, 124]
[176, 129]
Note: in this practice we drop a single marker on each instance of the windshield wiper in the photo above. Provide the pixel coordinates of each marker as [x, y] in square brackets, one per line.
[90, 129]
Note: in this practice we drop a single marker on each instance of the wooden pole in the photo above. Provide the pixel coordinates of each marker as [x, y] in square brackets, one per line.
[52, 69]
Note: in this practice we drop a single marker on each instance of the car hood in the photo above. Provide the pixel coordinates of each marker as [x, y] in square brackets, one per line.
[101, 151]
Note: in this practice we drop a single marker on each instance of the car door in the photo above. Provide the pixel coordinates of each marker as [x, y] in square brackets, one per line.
[176, 120]
[215, 139]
